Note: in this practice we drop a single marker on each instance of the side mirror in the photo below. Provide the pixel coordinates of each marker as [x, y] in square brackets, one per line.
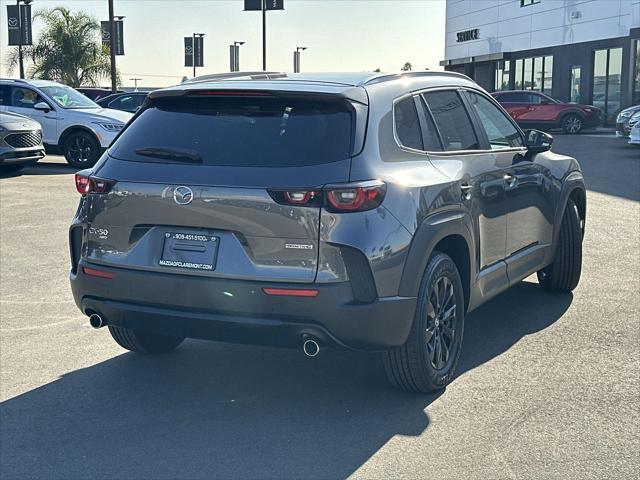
[42, 106]
[537, 141]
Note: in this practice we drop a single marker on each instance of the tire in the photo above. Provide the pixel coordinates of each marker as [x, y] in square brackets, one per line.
[563, 274]
[144, 342]
[82, 149]
[415, 366]
[572, 124]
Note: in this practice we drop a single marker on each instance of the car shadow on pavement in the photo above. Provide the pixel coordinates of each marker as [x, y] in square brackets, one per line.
[224, 411]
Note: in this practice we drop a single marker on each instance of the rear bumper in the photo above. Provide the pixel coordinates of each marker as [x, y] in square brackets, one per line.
[240, 312]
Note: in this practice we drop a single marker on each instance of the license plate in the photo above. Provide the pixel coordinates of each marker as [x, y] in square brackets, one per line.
[194, 251]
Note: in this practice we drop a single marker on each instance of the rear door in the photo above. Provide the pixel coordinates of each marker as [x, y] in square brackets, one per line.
[481, 172]
[200, 183]
[22, 100]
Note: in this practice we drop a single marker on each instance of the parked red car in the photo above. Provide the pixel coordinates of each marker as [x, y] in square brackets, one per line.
[537, 110]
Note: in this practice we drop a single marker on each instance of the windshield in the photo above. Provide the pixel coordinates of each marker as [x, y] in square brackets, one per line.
[261, 131]
[67, 97]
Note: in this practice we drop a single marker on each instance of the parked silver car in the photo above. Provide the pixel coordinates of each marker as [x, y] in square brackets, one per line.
[20, 141]
[623, 129]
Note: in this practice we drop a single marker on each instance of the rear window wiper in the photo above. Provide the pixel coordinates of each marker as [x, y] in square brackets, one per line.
[179, 155]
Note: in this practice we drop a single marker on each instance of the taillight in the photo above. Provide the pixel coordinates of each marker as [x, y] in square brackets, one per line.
[86, 184]
[341, 198]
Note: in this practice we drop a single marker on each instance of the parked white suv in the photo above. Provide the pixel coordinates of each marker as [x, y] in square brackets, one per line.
[71, 123]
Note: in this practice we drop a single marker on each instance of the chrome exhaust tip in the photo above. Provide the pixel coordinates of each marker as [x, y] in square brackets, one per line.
[311, 348]
[96, 321]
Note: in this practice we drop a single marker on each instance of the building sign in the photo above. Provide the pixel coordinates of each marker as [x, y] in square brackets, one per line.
[105, 31]
[467, 35]
[15, 18]
[192, 53]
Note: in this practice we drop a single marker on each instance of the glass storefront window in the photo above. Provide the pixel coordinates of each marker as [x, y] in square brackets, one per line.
[636, 82]
[607, 82]
[502, 75]
[547, 83]
[537, 73]
[599, 78]
[518, 82]
[528, 73]
[576, 72]
[534, 73]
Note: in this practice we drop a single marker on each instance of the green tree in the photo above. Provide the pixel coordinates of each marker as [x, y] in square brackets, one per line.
[68, 50]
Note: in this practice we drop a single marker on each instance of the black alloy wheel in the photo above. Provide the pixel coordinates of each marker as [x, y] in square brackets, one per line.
[82, 149]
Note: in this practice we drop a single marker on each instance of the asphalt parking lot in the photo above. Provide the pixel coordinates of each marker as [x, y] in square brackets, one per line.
[548, 385]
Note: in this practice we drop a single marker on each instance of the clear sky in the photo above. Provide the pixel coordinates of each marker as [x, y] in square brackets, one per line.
[341, 35]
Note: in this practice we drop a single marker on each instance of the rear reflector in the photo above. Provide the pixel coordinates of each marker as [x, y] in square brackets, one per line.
[98, 273]
[290, 292]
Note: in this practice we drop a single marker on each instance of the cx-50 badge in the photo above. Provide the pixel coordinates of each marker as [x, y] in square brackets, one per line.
[183, 195]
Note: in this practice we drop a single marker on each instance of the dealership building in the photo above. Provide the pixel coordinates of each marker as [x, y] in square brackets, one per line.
[584, 51]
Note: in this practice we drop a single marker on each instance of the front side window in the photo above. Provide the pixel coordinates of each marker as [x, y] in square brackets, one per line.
[499, 129]
[67, 97]
[408, 130]
[24, 97]
[452, 121]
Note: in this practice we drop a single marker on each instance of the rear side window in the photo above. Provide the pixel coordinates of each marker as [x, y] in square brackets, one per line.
[243, 131]
[130, 102]
[407, 124]
[452, 120]
[511, 97]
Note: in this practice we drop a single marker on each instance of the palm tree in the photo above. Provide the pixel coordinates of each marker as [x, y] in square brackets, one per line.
[68, 50]
[407, 67]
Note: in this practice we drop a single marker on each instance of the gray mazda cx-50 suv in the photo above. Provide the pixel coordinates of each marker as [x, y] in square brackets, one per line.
[367, 211]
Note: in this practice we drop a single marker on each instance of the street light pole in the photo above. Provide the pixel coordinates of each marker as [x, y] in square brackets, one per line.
[264, 35]
[193, 54]
[193, 50]
[296, 59]
[112, 49]
[236, 55]
[135, 81]
[20, 20]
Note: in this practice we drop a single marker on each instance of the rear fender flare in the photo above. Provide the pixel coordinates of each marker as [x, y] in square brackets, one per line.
[430, 232]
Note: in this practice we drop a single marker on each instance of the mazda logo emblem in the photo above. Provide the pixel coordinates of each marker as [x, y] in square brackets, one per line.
[13, 22]
[183, 195]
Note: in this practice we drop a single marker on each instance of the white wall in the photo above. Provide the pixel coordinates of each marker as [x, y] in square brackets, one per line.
[506, 27]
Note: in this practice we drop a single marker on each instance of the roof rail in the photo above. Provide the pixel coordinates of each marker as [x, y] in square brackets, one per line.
[221, 77]
[387, 77]
[19, 80]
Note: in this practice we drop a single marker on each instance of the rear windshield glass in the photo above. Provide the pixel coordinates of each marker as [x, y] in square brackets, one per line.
[260, 131]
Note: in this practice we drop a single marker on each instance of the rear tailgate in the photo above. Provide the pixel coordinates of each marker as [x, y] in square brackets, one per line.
[216, 217]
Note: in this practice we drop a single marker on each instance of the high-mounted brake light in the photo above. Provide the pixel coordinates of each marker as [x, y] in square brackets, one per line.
[229, 93]
[86, 184]
[339, 198]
